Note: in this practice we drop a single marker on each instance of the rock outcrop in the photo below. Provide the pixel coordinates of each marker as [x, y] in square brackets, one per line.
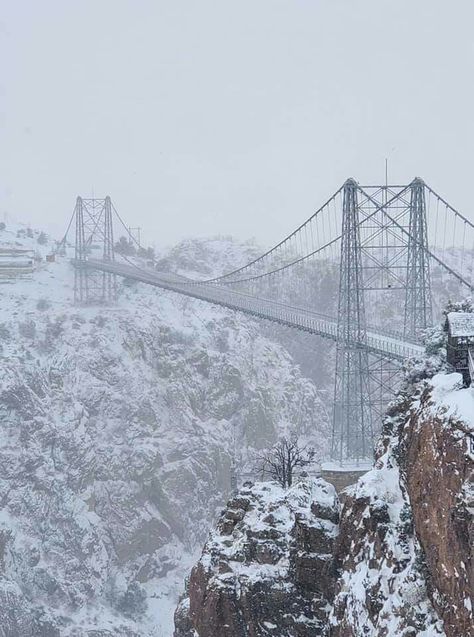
[268, 568]
[402, 562]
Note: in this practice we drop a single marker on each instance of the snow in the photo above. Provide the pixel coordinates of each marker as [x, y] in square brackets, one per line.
[285, 505]
[392, 577]
[452, 399]
[162, 602]
[461, 324]
[355, 466]
[382, 485]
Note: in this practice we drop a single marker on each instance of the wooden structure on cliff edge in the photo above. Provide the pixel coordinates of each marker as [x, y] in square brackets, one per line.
[460, 347]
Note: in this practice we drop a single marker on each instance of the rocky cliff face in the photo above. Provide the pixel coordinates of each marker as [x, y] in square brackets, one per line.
[405, 550]
[437, 451]
[402, 563]
[268, 568]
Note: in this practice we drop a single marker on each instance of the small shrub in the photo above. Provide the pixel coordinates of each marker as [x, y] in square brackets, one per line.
[125, 246]
[27, 329]
[43, 304]
[435, 341]
[4, 332]
[420, 566]
[466, 305]
[133, 602]
[99, 320]
[52, 333]
[406, 520]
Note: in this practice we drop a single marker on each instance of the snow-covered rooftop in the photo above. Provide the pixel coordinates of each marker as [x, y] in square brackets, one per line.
[461, 323]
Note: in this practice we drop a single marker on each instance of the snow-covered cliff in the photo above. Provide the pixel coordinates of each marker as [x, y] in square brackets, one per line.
[116, 434]
[405, 550]
[402, 561]
[268, 567]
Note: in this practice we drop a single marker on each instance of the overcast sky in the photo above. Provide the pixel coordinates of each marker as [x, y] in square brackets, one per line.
[229, 117]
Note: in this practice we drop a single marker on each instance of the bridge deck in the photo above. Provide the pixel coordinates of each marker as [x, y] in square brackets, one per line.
[391, 346]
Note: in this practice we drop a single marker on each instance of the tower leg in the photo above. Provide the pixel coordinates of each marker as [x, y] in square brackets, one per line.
[352, 437]
[418, 302]
[109, 280]
[80, 274]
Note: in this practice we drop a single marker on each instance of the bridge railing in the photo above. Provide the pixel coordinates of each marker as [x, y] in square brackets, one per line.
[388, 341]
[278, 311]
[228, 292]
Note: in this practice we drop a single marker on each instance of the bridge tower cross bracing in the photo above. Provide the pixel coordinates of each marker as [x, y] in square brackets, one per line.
[352, 438]
[94, 238]
[418, 300]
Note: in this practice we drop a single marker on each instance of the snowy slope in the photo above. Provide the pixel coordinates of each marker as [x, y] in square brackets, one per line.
[117, 428]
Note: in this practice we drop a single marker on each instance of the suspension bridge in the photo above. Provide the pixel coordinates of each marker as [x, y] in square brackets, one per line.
[382, 242]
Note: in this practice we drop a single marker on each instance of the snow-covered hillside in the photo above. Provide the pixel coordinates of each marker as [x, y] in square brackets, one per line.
[204, 258]
[116, 435]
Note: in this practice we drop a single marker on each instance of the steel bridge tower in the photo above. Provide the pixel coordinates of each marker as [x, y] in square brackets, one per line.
[352, 438]
[418, 303]
[94, 239]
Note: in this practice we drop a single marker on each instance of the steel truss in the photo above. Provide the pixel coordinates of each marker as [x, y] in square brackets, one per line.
[352, 417]
[94, 239]
[418, 302]
[384, 248]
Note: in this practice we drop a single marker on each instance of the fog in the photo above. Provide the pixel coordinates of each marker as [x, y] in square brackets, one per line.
[205, 117]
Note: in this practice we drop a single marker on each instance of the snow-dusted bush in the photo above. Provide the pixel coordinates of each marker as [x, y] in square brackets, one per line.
[27, 329]
[416, 369]
[435, 341]
[125, 246]
[466, 305]
[43, 304]
[133, 603]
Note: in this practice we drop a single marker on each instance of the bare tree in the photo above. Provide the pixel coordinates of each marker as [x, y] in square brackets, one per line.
[283, 459]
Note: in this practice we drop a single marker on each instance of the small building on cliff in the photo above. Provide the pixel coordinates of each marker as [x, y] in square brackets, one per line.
[15, 263]
[460, 346]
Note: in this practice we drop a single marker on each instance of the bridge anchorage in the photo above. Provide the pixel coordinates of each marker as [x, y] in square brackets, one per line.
[384, 244]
